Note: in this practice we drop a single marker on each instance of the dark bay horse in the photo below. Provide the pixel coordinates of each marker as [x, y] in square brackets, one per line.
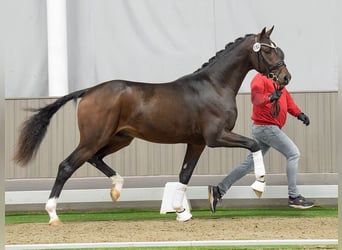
[198, 109]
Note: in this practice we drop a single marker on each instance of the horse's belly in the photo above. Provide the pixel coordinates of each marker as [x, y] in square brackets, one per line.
[166, 136]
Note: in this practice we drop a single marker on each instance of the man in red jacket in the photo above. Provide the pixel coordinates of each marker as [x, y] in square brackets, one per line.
[271, 103]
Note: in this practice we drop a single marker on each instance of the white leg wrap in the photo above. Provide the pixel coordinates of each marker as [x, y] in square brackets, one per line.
[259, 169]
[50, 207]
[178, 197]
[184, 215]
[177, 203]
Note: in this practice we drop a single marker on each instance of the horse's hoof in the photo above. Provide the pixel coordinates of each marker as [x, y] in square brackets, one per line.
[258, 193]
[115, 194]
[183, 216]
[55, 222]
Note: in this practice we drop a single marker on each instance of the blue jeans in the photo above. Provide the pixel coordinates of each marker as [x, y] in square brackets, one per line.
[268, 136]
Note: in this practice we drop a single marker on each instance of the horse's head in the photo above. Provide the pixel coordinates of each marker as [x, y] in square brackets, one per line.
[268, 59]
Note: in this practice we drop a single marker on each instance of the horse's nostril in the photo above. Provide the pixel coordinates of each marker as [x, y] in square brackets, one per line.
[287, 78]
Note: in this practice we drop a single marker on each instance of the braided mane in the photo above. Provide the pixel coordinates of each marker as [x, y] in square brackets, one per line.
[228, 47]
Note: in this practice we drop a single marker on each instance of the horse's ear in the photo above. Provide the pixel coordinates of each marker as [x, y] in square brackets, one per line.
[269, 32]
[262, 34]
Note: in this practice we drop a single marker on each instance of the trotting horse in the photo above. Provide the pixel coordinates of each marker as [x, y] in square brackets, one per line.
[198, 109]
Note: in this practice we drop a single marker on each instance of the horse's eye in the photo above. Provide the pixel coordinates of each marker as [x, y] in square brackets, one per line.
[268, 50]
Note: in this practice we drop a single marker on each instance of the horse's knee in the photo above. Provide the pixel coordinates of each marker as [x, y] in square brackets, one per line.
[254, 146]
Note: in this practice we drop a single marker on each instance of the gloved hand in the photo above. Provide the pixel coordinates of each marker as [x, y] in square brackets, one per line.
[304, 118]
[275, 95]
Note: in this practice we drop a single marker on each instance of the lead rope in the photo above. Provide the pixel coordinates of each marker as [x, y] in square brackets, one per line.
[275, 108]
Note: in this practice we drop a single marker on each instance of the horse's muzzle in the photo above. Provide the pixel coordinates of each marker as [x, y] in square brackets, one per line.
[281, 79]
[286, 79]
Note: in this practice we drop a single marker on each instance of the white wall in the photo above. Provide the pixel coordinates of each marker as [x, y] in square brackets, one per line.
[157, 41]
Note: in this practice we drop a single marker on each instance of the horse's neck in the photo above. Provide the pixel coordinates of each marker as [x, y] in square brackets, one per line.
[231, 71]
[231, 68]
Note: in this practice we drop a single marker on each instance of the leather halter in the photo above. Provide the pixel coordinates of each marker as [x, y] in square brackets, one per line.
[275, 108]
[269, 68]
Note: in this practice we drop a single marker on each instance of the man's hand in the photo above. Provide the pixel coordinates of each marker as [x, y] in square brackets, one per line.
[275, 95]
[304, 118]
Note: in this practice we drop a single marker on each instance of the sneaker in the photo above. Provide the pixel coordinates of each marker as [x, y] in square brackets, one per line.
[300, 202]
[214, 197]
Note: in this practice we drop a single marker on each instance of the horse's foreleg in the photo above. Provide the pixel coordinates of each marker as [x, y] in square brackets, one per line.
[229, 139]
[192, 155]
[259, 170]
[65, 170]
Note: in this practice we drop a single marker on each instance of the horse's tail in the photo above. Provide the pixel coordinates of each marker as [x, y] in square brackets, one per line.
[34, 129]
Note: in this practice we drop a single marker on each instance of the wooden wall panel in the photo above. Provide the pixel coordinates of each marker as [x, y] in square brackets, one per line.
[316, 143]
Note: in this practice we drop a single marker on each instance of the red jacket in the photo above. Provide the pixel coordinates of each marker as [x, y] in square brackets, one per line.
[261, 88]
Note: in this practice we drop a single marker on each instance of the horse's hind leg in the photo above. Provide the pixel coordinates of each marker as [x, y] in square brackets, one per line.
[117, 180]
[65, 170]
[117, 143]
[192, 156]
